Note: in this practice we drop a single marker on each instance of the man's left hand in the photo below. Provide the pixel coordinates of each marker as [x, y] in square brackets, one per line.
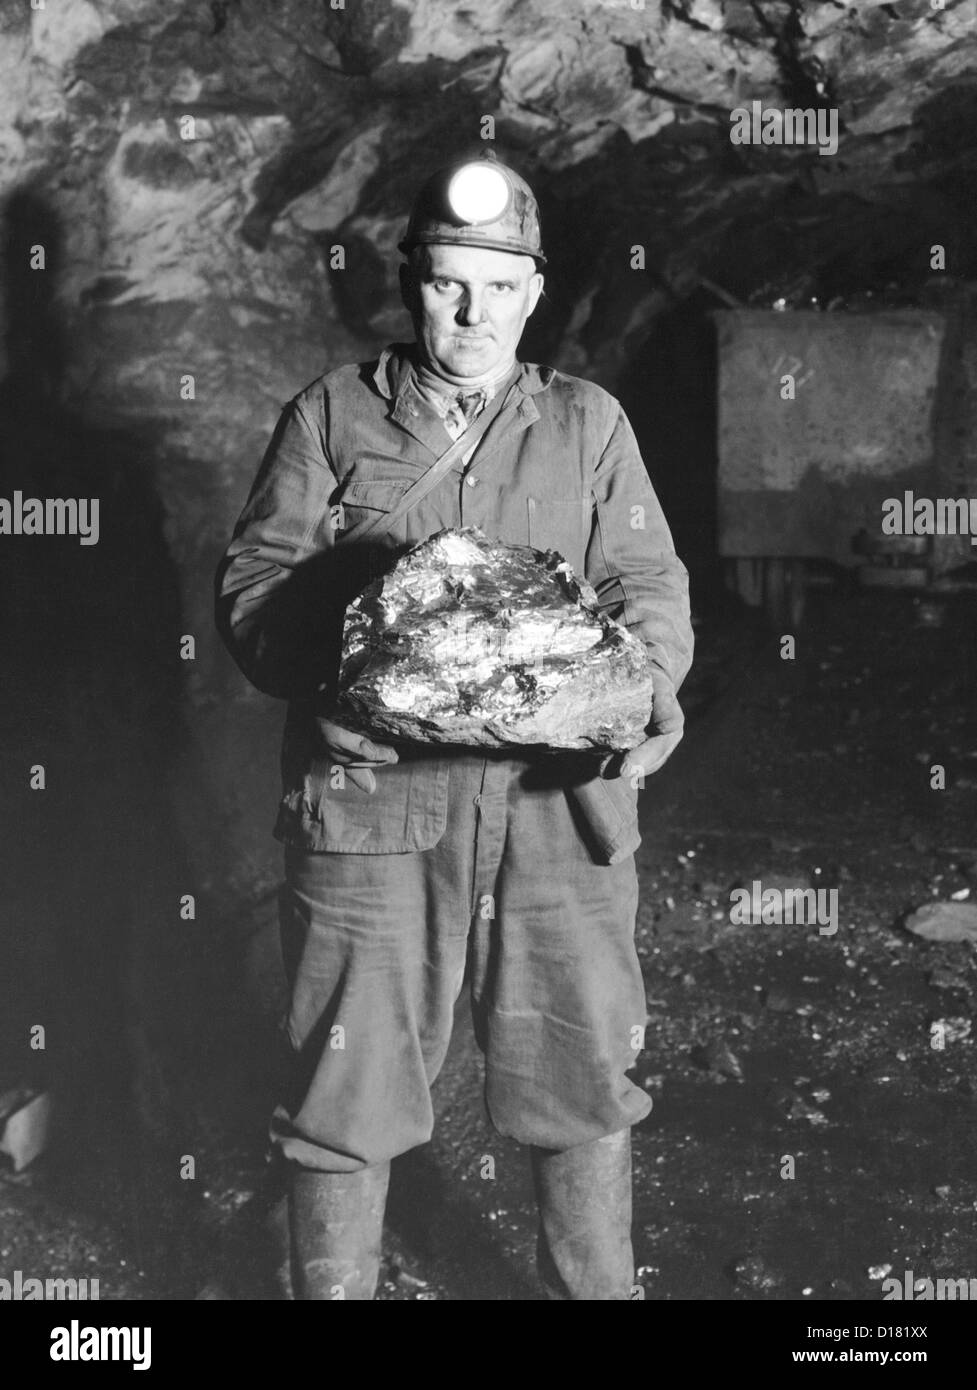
[668, 726]
[649, 756]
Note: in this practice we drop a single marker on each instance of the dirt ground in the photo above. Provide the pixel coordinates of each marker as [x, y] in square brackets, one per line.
[764, 1042]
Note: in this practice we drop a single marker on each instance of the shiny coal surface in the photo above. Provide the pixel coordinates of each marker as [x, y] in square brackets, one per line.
[469, 641]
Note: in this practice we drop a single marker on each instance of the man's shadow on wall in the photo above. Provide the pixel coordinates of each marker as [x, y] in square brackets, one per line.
[92, 944]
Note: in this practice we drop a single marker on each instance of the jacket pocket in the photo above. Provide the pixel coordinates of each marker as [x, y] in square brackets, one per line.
[361, 502]
[408, 811]
[608, 808]
[560, 524]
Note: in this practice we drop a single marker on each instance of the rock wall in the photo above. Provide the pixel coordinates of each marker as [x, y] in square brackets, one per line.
[188, 168]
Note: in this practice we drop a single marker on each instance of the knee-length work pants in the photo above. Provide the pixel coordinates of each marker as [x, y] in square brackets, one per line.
[375, 948]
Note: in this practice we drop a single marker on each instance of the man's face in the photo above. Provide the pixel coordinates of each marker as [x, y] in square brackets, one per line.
[470, 306]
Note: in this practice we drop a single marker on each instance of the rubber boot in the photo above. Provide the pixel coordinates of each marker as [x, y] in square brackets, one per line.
[584, 1249]
[336, 1222]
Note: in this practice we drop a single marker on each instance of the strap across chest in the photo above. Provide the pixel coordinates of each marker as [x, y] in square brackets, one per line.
[438, 470]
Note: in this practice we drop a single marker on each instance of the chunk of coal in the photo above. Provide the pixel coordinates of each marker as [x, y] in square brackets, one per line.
[469, 641]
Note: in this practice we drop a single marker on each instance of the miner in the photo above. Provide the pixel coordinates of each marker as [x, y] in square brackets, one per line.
[409, 869]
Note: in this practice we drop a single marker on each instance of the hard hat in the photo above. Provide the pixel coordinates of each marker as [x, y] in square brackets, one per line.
[477, 202]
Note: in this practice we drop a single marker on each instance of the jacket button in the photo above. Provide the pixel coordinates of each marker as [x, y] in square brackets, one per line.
[471, 481]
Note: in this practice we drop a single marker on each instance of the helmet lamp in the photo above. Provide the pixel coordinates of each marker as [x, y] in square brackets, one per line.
[479, 193]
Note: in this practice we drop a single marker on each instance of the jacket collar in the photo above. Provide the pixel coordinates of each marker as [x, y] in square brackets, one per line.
[392, 375]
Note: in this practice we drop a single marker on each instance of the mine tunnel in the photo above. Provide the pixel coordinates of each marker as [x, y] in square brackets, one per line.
[759, 230]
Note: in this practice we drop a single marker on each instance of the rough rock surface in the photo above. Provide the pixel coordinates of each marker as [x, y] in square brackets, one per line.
[468, 641]
[219, 188]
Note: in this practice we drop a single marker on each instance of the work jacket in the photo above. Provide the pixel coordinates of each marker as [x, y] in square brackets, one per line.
[558, 468]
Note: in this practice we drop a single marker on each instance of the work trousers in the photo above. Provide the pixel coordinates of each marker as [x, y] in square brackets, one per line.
[375, 949]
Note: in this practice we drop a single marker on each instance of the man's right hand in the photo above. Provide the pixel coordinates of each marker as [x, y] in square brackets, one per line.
[354, 752]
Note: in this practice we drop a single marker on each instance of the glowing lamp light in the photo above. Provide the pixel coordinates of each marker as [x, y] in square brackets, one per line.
[478, 193]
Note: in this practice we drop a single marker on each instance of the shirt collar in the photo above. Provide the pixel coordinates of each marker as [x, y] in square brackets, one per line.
[430, 383]
[441, 395]
[393, 372]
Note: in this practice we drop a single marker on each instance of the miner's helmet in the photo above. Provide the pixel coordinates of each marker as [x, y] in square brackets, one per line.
[476, 202]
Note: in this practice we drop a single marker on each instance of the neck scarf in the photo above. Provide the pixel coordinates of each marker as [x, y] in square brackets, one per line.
[458, 400]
